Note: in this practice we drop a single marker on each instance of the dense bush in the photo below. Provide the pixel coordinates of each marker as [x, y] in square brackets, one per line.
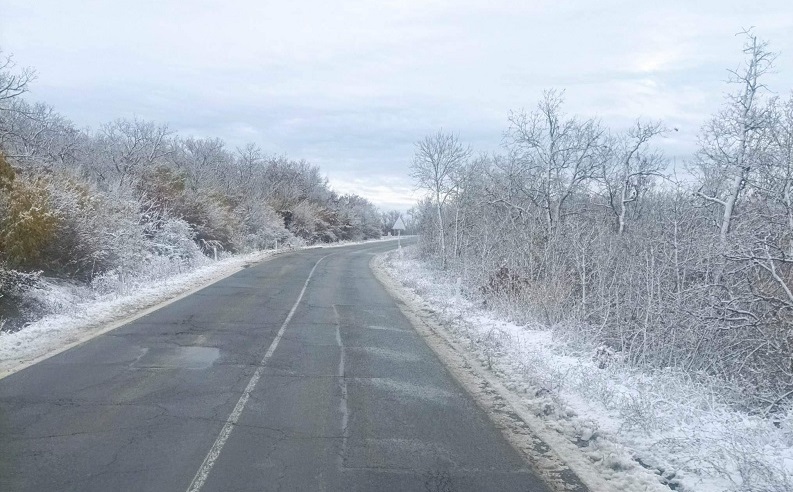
[584, 229]
[28, 227]
[135, 200]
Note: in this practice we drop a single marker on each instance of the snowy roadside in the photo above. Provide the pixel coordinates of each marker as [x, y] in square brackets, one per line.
[341, 244]
[84, 319]
[615, 427]
[80, 320]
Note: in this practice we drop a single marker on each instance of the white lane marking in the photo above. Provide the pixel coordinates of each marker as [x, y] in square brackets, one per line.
[345, 414]
[203, 472]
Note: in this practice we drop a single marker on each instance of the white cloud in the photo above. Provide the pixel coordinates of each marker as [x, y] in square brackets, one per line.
[389, 192]
[348, 84]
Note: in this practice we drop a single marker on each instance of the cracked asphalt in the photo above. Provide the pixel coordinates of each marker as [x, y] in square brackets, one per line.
[351, 399]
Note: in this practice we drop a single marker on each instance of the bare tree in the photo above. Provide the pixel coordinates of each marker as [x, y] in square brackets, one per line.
[733, 139]
[629, 168]
[535, 230]
[249, 159]
[201, 158]
[12, 85]
[437, 160]
[37, 132]
[557, 155]
[130, 145]
[775, 173]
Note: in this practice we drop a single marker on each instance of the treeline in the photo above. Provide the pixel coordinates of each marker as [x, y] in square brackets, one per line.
[134, 196]
[590, 231]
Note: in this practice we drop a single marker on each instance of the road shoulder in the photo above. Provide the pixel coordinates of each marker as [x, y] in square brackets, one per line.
[555, 458]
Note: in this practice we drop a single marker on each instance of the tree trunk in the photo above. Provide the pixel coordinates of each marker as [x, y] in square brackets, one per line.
[621, 211]
[442, 233]
[729, 205]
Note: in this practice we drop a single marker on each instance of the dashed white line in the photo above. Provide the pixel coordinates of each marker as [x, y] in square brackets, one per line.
[203, 472]
[345, 414]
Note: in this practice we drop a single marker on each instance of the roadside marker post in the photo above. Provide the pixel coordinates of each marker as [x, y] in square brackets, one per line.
[399, 226]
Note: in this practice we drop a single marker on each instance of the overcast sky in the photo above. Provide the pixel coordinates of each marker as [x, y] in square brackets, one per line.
[350, 85]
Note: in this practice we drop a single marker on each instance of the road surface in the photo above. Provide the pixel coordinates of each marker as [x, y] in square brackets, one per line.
[299, 373]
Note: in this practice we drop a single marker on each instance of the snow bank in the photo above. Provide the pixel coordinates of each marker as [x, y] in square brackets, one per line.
[639, 430]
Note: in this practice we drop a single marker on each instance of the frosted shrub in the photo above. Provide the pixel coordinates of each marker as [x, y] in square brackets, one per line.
[608, 253]
[133, 202]
[16, 305]
[108, 282]
[597, 387]
[639, 411]
[174, 240]
[688, 429]
[14, 283]
[740, 455]
[57, 296]
[28, 229]
[294, 242]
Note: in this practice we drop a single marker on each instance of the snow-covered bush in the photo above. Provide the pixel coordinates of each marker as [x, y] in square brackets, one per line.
[16, 307]
[599, 242]
[28, 227]
[688, 431]
[175, 239]
[133, 202]
[262, 226]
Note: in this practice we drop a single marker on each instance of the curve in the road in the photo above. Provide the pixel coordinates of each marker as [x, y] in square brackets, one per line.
[302, 370]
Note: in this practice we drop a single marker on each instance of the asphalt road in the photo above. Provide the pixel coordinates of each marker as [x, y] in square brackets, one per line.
[299, 373]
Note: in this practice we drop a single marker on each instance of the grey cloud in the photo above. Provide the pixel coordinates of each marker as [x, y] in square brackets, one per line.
[351, 85]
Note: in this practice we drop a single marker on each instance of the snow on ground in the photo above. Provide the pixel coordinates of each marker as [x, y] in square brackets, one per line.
[81, 313]
[350, 243]
[638, 430]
